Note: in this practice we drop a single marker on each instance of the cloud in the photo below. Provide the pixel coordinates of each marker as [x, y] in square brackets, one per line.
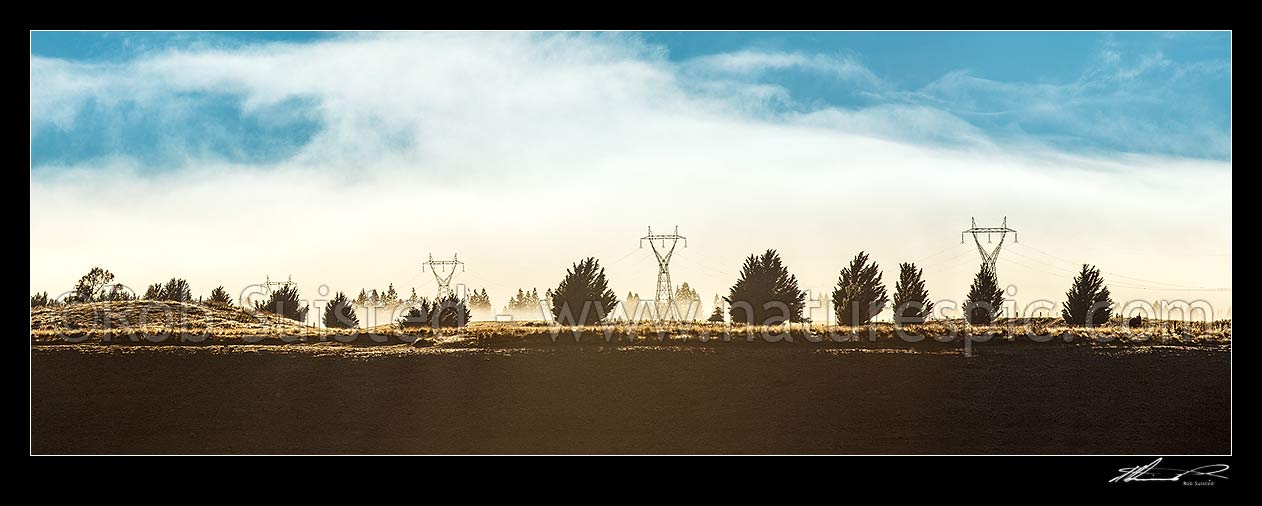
[755, 63]
[1142, 103]
[523, 152]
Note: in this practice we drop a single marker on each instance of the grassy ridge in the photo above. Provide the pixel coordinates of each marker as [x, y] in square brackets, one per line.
[149, 322]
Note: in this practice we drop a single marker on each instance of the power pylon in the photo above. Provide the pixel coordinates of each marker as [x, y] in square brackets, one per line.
[989, 259]
[443, 280]
[283, 284]
[665, 300]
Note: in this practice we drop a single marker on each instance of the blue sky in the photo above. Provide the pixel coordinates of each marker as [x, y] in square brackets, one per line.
[1128, 92]
[234, 156]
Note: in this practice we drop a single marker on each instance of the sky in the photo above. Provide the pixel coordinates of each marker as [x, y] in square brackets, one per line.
[345, 159]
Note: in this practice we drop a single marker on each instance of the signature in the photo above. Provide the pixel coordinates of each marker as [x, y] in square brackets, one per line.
[1151, 472]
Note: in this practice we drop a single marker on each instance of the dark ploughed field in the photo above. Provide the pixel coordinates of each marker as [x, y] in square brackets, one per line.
[397, 399]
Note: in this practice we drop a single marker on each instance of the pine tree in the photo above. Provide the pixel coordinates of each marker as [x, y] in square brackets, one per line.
[1087, 302]
[391, 296]
[339, 314]
[524, 302]
[583, 297]
[687, 302]
[911, 300]
[717, 315]
[985, 299]
[220, 297]
[480, 301]
[764, 280]
[155, 292]
[119, 292]
[41, 300]
[516, 301]
[177, 290]
[373, 298]
[450, 311]
[91, 287]
[363, 296]
[284, 302]
[632, 306]
[412, 299]
[418, 316]
[860, 294]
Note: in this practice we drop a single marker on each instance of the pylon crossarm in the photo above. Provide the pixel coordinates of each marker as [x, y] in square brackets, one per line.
[989, 258]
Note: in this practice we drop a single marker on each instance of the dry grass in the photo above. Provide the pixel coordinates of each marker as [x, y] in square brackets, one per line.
[183, 323]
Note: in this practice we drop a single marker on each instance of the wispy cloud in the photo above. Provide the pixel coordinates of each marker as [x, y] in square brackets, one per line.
[756, 63]
[560, 145]
[1143, 103]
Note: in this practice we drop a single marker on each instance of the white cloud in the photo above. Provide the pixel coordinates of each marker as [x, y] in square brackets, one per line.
[524, 152]
[751, 62]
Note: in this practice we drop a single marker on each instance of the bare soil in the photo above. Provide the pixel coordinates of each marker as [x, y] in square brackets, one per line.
[335, 398]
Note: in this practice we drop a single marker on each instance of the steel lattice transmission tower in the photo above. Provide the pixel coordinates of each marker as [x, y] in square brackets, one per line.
[665, 300]
[989, 259]
[283, 284]
[443, 280]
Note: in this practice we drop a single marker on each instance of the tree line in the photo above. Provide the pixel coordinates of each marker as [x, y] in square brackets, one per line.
[765, 293]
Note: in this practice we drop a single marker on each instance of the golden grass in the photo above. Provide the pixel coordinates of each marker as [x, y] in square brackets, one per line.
[183, 323]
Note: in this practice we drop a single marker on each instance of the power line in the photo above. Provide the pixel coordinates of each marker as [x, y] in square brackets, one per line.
[1112, 284]
[1132, 278]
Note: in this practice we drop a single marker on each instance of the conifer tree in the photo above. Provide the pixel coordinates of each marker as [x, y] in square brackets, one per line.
[450, 312]
[91, 287]
[583, 297]
[984, 302]
[220, 297]
[911, 300]
[860, 294]
[177, 290]
[1087, 302]
[339, 314]
[765, 292]
[284, 302]
[154, 292]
